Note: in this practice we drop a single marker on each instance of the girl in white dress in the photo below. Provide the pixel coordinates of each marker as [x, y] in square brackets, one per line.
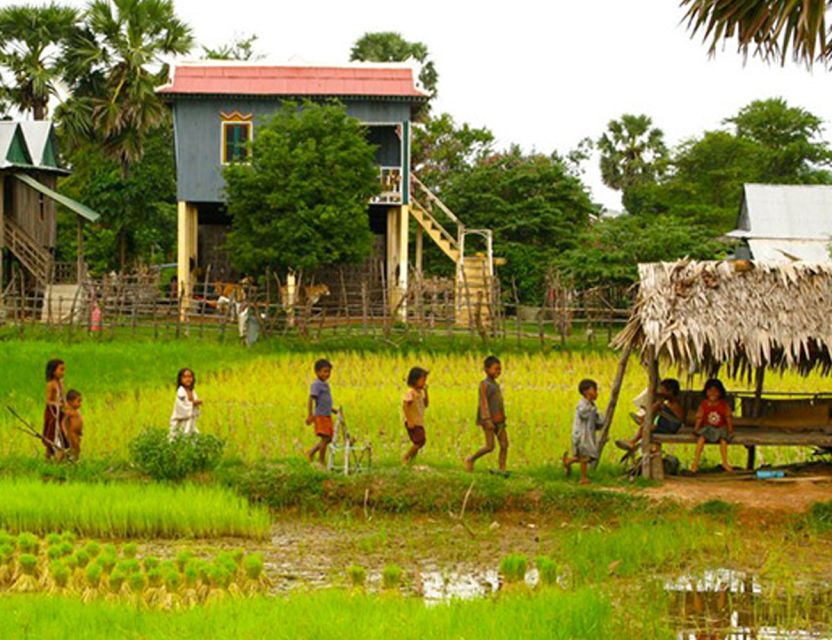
[186, 409]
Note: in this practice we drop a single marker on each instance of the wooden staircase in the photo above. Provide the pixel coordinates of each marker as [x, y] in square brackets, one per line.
[474, 273]
[34, 258]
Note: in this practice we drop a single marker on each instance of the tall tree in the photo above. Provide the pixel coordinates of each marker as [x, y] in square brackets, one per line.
[240, 48]
[115, 65]
[389, 46]
[769, 28]
[632, 152]
[301, 203]
[32, 44]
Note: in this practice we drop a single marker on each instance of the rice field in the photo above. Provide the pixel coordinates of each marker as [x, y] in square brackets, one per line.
[122, 510]
[257, 401]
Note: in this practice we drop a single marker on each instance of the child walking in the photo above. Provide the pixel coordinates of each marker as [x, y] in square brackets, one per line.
[714, 423]
[491, 414]
[319, 410]
[73, 423]
[186, 407]
[414, 403]
[587, 421]
[53, 438]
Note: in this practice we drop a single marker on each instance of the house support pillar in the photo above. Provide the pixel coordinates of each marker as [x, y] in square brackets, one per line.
[397, 259]
[186, 258]
[651, 461]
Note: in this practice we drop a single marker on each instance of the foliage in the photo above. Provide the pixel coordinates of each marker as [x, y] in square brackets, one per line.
[761, 27]
[240, 48]
[33, 43]
[547, 571]
[389, 46]
[138, 211]
[301, 202]
[119, 510]
[820, 516]
[357, 575]
[535, 207]
[632, 152]
[513, 567]
[163, 458]
[391, 576]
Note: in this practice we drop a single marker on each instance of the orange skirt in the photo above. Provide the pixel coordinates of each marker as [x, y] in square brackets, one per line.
[323, 426]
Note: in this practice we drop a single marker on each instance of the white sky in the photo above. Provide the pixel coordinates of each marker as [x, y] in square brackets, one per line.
[543, 75]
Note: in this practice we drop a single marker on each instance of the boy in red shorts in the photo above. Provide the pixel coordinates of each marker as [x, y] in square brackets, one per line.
[320, 410]
[414, 403]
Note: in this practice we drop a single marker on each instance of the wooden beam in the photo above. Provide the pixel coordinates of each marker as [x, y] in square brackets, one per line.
[755, 413]
[646, 438]
[615, 392]
[2, 235]
[420, 235]
[79, 249]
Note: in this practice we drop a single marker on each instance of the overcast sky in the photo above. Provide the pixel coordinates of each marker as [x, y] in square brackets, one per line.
[543, 75]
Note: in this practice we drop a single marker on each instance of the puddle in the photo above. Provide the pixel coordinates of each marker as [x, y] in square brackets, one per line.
[733, 605]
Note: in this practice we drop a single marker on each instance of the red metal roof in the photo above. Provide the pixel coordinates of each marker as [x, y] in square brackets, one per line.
[381, 81]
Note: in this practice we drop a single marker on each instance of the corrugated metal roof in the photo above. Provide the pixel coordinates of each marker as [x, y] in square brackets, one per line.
[73, 205]
[798, 212]
[214, 78]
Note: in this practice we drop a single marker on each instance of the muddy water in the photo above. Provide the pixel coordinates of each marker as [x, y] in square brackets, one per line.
[734, 605]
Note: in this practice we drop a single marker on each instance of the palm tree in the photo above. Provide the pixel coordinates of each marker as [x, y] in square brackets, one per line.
[768, 28]
[32, 43]
[115, 66]
[632, 150]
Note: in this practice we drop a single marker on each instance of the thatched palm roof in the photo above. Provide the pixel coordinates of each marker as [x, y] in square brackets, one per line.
[700, 315]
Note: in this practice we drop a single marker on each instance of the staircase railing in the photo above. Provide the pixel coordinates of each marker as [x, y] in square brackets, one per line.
[428, 199]
[36, 259]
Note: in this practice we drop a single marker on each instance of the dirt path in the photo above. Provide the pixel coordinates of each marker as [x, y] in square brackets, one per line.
[789, 495]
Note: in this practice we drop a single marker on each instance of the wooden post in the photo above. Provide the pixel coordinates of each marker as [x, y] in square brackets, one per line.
[615, 392]
[756, 410]
[2, 241]
[419, 249]
[79, 250]
[647, 467]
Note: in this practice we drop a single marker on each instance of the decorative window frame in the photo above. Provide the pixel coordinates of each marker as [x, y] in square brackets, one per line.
[235, 117]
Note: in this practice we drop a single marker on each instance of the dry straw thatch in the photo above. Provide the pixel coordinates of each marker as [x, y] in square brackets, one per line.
[745, 315]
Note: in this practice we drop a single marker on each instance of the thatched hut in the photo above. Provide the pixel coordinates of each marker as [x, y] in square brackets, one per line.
[740, 318]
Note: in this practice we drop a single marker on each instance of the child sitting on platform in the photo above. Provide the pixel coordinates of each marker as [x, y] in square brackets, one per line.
[668, 411]
[714, 423]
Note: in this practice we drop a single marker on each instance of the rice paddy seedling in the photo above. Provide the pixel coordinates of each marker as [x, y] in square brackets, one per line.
[27, 542]
[53, 539]
[150, 562]
[59, 573]
[357, 575]
[54, 552]
[547, 571]
[128, 510]
[82, 558]
[66, 548]
[137, 582]
[106, 561]
[92, 575]
[182, 559]
[155, 577]
[115, 581]
[130, 550]
[513, 567]
[27, 580]
[391, 576]
[253, 566]
[92, 548]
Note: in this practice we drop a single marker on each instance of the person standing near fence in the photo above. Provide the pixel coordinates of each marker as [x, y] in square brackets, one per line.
[187, 406]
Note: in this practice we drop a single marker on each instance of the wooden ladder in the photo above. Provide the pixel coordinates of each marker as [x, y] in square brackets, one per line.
[34, 258]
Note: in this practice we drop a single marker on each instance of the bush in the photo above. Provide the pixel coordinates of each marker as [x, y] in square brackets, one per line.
[161, 458]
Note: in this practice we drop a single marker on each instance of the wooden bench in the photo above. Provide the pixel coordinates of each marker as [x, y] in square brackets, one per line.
[792, 422]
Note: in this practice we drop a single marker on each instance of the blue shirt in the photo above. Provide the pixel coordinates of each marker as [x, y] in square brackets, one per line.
[323, 397]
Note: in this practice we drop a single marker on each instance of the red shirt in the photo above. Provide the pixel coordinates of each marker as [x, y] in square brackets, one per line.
[715, 415]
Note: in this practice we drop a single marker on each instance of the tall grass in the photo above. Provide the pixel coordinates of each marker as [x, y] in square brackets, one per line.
[258, 402]
[128, 510]
[329, 614]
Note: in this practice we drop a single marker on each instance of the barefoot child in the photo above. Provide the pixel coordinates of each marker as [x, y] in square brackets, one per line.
[186, 407]
[319, 410]
[587, 421]
[714, 423]
[414, 403]
[491, 415]
[73, 424]
[668, 411]
[53, 414]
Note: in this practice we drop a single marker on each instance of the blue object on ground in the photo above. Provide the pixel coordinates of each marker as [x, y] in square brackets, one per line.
[765, 474]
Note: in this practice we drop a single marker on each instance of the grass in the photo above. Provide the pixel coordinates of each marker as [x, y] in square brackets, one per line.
[128, 510]
[347, 616]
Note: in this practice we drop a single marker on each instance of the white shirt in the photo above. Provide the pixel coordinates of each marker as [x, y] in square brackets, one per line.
[185, 413]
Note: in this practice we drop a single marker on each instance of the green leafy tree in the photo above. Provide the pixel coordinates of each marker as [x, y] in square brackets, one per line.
[389, 46]
[443, 150]
[32, 44]
[240, 48]
[632, 152]
[301, 203]
[768, 28]
[138, 210]
[535, 206]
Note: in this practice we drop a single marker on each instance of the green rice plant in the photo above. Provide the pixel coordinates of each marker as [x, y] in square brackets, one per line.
[82, 558]
[110, 549]
[66, 548]
[513, 567]
[155, 577]
[54, 552]
[718, 510]
[129, 510]
[71, 561]
[226, 560]
[28, 564]
[68, 536]
[27, 580]
[391, 576]
[27, 542]
[53, 539]
[357, 575]
[106, 561]
[137, 582]
[129, 566]
[92, 548]
[182, 559]
[59, 573]
[92, 575]
[547, 571]
[173, 580]
[820, 516]
[253, 566]
[238, 555]
[115, 581]
[130, 550]
[150, 562]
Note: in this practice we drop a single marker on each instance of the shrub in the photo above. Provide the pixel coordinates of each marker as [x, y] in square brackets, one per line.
[162, 458]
